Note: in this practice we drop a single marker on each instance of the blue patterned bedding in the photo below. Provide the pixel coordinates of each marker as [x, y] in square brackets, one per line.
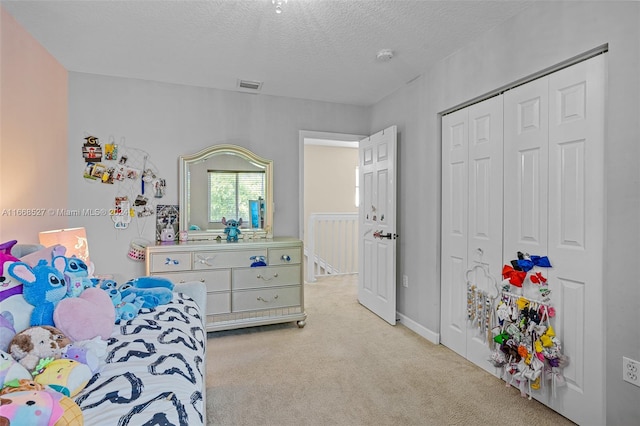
[155, 370]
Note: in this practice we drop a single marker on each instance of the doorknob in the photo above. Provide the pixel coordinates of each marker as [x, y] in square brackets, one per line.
[388, 235]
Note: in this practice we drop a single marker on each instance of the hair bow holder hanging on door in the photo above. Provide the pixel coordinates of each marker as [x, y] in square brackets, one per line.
[480, 303]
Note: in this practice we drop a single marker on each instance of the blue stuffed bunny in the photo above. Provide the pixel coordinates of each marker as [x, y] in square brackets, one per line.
[43, 287]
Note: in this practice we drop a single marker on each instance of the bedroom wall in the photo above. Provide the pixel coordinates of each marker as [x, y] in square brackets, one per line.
[545, 35]
[33, 136]
[168, 120]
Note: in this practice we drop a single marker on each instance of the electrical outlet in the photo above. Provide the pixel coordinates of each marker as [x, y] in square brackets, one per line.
[631, 371]
[405, 281]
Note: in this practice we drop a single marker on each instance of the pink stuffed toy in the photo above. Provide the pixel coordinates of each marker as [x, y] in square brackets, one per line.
[87, 316]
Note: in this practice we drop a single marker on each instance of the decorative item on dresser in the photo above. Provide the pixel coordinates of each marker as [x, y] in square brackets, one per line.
[238, 294]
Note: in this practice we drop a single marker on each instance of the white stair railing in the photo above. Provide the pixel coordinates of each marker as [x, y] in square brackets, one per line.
[331, 244]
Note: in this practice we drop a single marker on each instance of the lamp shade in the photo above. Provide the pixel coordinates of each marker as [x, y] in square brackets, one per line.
[73, 239]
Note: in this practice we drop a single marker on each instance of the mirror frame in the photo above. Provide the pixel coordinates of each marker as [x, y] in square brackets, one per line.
[186, 160]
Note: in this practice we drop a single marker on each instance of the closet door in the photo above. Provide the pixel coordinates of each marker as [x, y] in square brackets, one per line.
[471, 221]
[484, 250]
[553, 194]
[453, 315]
[576, 233]
[526, 171]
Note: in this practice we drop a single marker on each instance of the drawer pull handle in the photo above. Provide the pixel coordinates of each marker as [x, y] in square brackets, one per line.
[263, 278]
[286, 258]
[169, 261]
[205, 260]
[267, 301]
[184, 281]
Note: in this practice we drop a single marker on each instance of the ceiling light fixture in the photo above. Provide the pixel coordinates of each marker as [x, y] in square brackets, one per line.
[384, 55]
[279, 4]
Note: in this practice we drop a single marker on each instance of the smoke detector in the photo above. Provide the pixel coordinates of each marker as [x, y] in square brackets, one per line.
[384, 55]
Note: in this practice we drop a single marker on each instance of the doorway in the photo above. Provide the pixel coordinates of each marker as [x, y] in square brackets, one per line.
[328, 166]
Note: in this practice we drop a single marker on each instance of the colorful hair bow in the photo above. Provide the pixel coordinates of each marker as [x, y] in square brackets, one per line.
[515, 277]
[537, 278]
[528, 264]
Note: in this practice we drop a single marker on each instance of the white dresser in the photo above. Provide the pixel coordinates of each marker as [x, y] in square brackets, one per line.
[238, 295]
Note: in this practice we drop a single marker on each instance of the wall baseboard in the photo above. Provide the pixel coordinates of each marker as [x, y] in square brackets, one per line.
[431, 336]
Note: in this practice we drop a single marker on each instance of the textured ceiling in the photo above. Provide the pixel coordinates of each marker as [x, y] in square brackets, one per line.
[316, 49]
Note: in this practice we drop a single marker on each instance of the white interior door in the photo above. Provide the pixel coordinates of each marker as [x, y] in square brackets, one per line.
[377, 224]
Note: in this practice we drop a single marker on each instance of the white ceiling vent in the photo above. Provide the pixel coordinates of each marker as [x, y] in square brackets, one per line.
[249, 86]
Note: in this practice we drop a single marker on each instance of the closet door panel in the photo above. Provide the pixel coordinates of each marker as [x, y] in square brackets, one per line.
[485, 213]
[526, 128]
[576, 232]
[454, 230]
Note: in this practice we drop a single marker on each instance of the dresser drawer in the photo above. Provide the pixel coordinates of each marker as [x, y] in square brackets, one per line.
[225, 259]
[266, 298]
[166, 262]
[218, 303]
[218, 280]
[270, 276]
[284, 256]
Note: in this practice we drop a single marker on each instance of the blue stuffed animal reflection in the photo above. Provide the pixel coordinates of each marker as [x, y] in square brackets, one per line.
[232, 228]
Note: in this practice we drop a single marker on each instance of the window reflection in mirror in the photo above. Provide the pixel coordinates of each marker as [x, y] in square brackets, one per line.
[230, 194]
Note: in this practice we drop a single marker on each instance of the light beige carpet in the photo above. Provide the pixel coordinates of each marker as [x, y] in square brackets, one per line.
[349, 367]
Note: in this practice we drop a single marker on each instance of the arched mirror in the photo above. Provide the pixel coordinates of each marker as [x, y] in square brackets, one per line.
[225, 181]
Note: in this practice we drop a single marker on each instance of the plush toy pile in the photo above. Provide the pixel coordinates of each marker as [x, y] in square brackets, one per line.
[54, 322]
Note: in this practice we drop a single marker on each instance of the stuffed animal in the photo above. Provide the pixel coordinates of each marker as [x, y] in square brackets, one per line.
[19, 385]
[42, 407]
[76, 275]
[83, 355]
[64, 375]
[7, 330]
[43, 287]
[153, 290]
[87, 316]
[126, 308]
[39, 407]
[11, 297]
[232, 228]
[35, 343]
[11, 370]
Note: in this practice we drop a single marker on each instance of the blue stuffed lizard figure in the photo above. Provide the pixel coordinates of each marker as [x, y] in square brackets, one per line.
[76, 275]
[153, 290]
[127, 308]
[232, 228]
[43, 286]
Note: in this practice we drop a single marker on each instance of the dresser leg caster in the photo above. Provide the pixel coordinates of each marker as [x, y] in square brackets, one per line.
[301, 323]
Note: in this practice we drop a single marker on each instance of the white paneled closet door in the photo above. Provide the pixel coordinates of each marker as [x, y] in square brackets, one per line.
[471, 221]
[554, 180]
[546, 186]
